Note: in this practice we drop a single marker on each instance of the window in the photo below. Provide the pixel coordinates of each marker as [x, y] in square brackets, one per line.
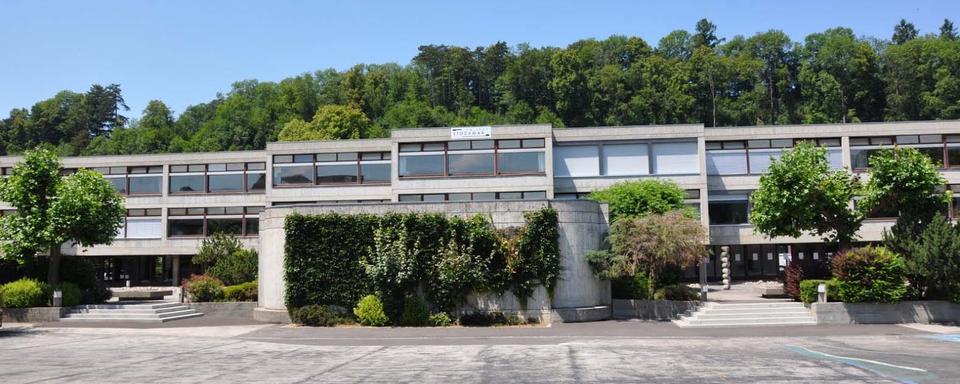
[576, 161]
[937, 147]
[186, 184]
[742, 157]
[226, 183]
[375, 172]
[341, 168]
[676, 158]
[197, 222]
[472, 158]
[626, 159]
[336, 173]
[141, 223]
[139, 180]
[300, 174]
[727, 162]
[728, 207]
[475, 196]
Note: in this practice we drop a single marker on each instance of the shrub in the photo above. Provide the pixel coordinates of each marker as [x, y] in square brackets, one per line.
[25, 293]
[77, 270]
[440, 319]
[796, 272]
[930, 256]
[631, 287]
[314, 315]
[486, 319]
[203, 288]
[415, 312]
[678, 292]
[869, 275]
[369, 311]
[633, 199]
[241, 292]
[656, 244]
[71, 294]
[227, 259]
[808, 290]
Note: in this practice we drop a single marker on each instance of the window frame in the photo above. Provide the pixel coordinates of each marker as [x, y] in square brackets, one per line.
[246, 212]
[478, 147]
[358, 160]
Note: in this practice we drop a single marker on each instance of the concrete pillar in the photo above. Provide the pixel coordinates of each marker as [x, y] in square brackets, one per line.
[176, 270]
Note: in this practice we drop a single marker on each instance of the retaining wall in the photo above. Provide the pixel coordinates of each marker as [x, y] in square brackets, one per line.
[659, 310]
[32, 315]
[582, 225]
[895, 313]
[220, 310]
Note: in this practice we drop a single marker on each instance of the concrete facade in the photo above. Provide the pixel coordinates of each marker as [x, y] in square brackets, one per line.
[718, 167]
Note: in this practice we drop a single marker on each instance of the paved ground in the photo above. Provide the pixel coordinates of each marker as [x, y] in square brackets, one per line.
[594, 352]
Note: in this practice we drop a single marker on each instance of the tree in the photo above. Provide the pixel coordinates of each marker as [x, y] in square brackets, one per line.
[947, 30]
[908, 180]
[222, 256]
[676, 45]
[653, 243]
[904, 32]
[706, 34]
[801, 194]
[82, 209]
[632, 199]
[103, 107]
[931, 256]
[331, 122]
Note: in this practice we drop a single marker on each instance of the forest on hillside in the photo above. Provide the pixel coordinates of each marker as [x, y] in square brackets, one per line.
[687, 77]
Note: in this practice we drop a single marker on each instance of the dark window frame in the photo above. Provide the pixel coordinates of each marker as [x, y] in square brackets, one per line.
[359, 161]
[495, 150]
[744, 145]
[246, 171]
[247, 212]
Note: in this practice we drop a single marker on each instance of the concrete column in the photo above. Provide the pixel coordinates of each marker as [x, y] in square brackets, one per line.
[176, 269]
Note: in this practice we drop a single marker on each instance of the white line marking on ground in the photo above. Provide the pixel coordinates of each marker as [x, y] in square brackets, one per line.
[862, 360]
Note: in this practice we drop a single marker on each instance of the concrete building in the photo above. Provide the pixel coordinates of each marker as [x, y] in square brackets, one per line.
[175, 200]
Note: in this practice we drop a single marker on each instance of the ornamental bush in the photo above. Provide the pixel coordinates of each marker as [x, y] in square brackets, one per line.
[679, 292]
[241, 292]
[25, 293]
[796, 272]
[314, 315]
[226, 259]
[203, 288]
[71, 294]
[635, 287]
[440, 320]
[415, 312]
[869, 275]
[633, 199]
[808, 290]
[369, 311]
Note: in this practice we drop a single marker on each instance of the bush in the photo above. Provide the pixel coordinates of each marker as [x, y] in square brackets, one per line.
[241, 292]
[633, 199]
[71, 294]
[227, 259]
[25, 293]
[869, 275]
[440, 319]
[369, 311]
[77, 270]
[486, 319]
[796, 272]
[415, 312]
[656, 245]
[314, 315]
[930, 256]
[678, 292]
[808, 290]
[631, 287]
[203, 288]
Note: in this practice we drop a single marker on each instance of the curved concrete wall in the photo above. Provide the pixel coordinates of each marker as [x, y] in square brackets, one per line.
[582, 225]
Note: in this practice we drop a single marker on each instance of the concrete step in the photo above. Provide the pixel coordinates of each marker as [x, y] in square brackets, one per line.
[130, 310]
[747, 315]
[136, 320]
[751, 314]
[127, 315]
[683, 323]
[134, 312]
[754, 310]
[754, 305]
[138, 305]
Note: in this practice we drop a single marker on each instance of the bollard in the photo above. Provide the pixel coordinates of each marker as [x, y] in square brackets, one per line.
[822, 293]
[58, 298]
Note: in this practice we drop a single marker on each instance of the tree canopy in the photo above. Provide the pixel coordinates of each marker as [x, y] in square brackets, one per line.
[833, 76]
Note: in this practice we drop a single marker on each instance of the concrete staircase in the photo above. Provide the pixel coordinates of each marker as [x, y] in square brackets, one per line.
[147, 312]
[748, 314]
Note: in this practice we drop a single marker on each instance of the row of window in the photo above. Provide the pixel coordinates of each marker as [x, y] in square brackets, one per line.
[746, 157]
[190, 222]
[472, 158]
[475, 196]
[636, 159]
[331, 169]
[942, 149]
[218, 178]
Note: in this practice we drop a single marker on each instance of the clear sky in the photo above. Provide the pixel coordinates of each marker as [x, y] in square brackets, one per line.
[184, 52]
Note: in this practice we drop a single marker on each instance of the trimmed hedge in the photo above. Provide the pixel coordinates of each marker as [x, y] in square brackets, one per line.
[203, 288]
[808, 290]
[869, 275]
[241, 292]
[25, 293]
[336, 259]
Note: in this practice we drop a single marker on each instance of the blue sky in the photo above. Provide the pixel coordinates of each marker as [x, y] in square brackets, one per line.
[184, 52]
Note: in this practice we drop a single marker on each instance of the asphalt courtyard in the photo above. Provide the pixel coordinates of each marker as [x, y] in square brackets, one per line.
[239, 352]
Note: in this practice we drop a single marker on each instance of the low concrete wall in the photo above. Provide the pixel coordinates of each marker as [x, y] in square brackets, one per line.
[870, 313]
[220, 310]
[580, 315]
[32, 315]
[659, 310]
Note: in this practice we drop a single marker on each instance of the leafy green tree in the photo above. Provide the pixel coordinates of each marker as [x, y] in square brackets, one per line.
[904, 32]
[332, 122]
[932, 257]
[801, 194]
[82, 209]
[652, 244]
[907, 179]
[947, 30]
[706, 34]
[676, 45]
[631, 199]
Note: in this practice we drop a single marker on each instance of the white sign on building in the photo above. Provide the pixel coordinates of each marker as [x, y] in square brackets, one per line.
[460, 133]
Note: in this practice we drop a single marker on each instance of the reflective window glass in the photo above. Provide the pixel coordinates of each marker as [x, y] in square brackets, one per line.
[185, 227]
[293, 175]
[225, 183]
[146, 185]
[333, 174]
[430, 165]
[185, 184]
[227, 226]
[728, 212]
[521, 162]
[119, 184]
[470, 164]
[374, 173]
[256, 182]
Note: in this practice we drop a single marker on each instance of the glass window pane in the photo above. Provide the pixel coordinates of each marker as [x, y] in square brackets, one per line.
[146, 185]
[675, 158]
[225, 183]
[430, 165]
[347, 156]
[143, 228]
[726, 162]
[235, 167]
[733, 145]
[178, 168]
[930, 139]
[233, 210]
[576, 161]
[371, 156]
[758, 144]
[196, 167]
[293, 175]
[908, 139]
[458, 197]
[411, 197]
[728, 212]
[323, 157]
[859, 141]
[934, 153]
[227, 226]
[626, 159]
[153, 212]
[781, 143]
[254, 210]
[137, 170]
[511, 195]
[216, 211]
[860, 158]
[470, 164]
[119, 184]
[306, 158]
[374, 173]
[829, 142]
[760, 159]
[536, 195]
[216, 167]
[482, 144]
[256, 181]
[458, 145]
[253, 226]
[333, 174]
[881, 140]
[410, 147]
[281, 159]
[256, 166]
[434, 197]
[484, 196]
[533, 143]
[118, 170]
[522, 162]
[508, 144]
[835, 157]
[185, 227]
[711, 145]
[186, 184]
[953, 156]
[432, 147]
[177, 211]
[195, 211]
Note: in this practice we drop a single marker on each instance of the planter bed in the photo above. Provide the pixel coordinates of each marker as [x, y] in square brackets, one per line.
[225, 309]
[32, 315]
[893, 313]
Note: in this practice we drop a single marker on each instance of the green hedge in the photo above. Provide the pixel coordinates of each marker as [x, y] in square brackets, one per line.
[808, 290]
[25, 293]
[336, 259]
[869, 275]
